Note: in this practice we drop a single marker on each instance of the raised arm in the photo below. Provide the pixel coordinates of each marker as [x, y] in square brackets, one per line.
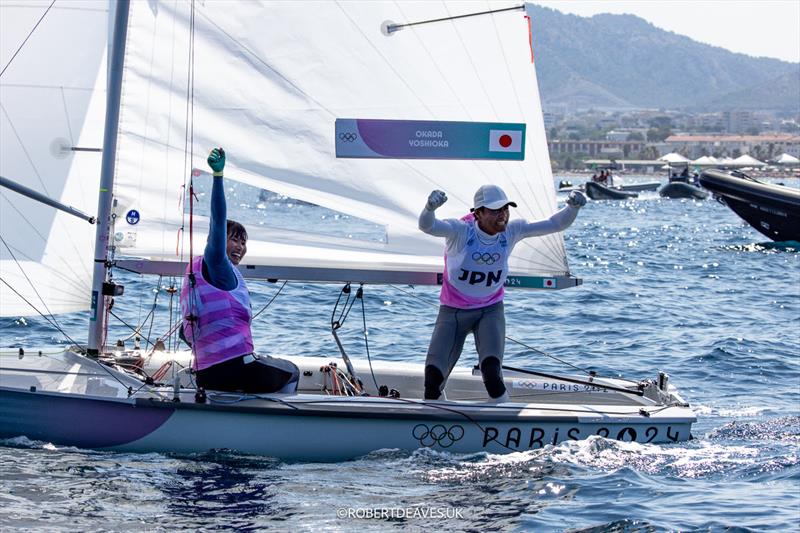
[428, 222]
[560, 220]
[218, 268]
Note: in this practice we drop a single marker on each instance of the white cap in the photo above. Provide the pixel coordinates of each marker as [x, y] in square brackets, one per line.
[491, 196]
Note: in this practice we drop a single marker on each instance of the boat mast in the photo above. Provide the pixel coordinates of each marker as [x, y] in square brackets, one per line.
[113, 93]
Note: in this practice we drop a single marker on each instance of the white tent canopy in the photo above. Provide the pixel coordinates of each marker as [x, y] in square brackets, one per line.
[673, 157]
[748, 161]
[786, 159]
[706, 160]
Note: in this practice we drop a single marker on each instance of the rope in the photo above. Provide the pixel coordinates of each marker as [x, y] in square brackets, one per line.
[366, 343]
[336, 324]
[271, 300]
[49, 321]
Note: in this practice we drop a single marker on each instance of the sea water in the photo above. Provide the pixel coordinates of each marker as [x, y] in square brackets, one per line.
[682, 286]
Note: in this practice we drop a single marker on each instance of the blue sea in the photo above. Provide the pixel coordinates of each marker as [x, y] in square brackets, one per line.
[681, 286]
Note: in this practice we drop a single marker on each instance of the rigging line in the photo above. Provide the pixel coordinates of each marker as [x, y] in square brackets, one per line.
[132, 328]
[189, 115]
[24, 150]
[150, 314]
[153, 309]
[26, 38]
[67, 280]
[366, 343]
[391, 28]
[54, 321]
[192, 51]
[53, 324]
[271, 300]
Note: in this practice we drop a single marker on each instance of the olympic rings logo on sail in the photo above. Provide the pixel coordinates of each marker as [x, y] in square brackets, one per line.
[485, 258]
[348, 137]
[438, 434]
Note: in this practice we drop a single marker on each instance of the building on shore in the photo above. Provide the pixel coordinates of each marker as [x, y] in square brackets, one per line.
[596, 148]
[639, 166]
[759, 146]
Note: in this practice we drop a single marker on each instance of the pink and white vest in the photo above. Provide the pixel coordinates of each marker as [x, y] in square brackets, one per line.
[221, 329]
[475, 276]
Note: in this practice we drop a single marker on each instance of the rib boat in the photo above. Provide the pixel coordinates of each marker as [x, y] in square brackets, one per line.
[773, 210]
[595, 191]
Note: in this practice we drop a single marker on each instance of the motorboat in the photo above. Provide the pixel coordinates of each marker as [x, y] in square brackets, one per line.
[596, 191]
[772, 209]
[682, 189]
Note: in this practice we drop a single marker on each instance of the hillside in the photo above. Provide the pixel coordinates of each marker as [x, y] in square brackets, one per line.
[620, 61]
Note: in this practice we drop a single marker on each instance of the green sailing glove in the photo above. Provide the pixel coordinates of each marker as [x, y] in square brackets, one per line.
[216, 160]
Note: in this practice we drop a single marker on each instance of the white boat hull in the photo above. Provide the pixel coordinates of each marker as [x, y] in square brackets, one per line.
[89, 408]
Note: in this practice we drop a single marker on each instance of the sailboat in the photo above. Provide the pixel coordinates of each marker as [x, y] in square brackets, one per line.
[277, 84]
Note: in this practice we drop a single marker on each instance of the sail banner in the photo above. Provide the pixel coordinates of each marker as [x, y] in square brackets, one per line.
[427, 139]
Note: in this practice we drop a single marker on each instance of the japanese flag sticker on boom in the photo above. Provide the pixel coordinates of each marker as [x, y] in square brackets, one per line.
[505, 141]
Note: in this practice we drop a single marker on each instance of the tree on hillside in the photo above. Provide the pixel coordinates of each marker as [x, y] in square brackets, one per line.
[658, 134]
[649, 152]
[636, 136]
[660, 129]
[660, 122]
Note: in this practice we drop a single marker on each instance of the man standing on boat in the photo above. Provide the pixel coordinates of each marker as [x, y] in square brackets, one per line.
[477, 248]
[216, 309]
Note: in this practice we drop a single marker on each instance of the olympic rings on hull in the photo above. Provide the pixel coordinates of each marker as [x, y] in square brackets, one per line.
[438, 434]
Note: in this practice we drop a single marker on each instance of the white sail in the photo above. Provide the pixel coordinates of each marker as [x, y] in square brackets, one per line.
[270, 79]
[52, 97]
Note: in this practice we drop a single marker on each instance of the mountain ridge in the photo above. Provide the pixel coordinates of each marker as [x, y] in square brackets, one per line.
[624, 61]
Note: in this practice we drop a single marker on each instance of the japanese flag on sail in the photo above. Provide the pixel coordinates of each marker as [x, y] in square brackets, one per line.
[505, 141]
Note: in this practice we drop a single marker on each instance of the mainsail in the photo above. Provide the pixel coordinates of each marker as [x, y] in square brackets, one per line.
[268, 80]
